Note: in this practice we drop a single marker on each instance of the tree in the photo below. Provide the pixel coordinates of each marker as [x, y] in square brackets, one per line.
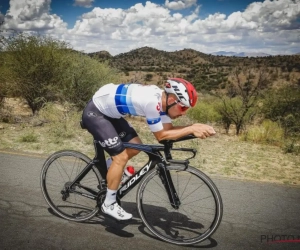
[282, 105]
[83, 77]
[36, 64]
[241, 96]
[3, 69]
[2, 38]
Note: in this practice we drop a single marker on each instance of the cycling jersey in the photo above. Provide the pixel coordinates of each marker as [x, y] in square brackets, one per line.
[116, 101]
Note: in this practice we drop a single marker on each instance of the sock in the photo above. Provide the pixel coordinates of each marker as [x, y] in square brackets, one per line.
[110, 197]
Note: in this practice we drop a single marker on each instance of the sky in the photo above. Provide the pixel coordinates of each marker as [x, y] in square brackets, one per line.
[268, 26]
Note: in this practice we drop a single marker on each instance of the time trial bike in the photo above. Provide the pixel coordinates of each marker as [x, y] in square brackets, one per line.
[176, 202]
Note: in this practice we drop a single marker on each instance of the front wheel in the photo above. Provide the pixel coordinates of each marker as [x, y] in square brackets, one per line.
[199, 213]
[76, 203]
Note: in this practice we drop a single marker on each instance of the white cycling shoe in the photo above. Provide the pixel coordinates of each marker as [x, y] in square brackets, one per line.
[115, 211]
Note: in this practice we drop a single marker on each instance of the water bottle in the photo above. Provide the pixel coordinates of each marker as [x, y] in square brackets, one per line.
[128, 172]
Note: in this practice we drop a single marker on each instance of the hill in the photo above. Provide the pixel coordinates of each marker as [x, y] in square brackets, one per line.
[104, 55]
[147, 58]
[206, 71]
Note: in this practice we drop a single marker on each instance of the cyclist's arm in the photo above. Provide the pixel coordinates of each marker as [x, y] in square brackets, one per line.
[169, 132]
[166, 131]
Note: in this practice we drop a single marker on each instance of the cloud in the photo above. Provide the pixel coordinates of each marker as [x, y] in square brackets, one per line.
[156, 26]
[180, 4]
[84, 3]
[32, 15]
[270, 26]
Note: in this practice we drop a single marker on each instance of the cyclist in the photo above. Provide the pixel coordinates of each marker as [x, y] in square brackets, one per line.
[104, 119]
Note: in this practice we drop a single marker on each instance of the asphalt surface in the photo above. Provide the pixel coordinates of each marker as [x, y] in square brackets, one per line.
[256, 216]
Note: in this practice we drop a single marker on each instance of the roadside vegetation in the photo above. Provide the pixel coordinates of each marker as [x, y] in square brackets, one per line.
[253, 103]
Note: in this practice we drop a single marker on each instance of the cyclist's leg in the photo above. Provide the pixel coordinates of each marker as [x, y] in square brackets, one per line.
[127, 134]
[119, 161]
[133, 152]
[106, 131]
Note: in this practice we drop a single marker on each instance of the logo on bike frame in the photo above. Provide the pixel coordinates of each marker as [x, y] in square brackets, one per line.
[139, 174]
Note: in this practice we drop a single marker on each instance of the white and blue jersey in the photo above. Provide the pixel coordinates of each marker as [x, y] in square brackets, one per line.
[116, 101]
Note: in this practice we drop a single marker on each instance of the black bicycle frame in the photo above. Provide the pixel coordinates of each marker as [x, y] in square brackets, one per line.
[155, 159]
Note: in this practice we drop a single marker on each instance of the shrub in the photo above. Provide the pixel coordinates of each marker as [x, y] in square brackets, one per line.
[63, 118]
[6, 113]
[83, 77]
[268, 132]
[34, 64]
[291, 147]
[282, 105]
[205, 112]
[30, 137]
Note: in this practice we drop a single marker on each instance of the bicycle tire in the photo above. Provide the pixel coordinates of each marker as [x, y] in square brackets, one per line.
[58, 171]
[198, 216]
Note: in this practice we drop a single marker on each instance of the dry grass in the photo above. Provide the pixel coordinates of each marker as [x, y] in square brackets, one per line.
[221, 155]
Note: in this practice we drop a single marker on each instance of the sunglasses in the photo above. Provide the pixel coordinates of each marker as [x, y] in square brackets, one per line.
[182, 107]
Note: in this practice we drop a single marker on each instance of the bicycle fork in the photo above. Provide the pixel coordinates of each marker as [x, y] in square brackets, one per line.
[165, 176]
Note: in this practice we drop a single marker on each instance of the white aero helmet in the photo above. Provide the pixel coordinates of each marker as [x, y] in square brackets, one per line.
[184, 90]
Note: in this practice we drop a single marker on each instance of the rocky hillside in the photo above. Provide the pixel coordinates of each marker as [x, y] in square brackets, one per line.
[147, 58]
[205, 70]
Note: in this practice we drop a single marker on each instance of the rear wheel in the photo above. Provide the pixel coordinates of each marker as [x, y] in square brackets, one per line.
[78, 203]
[198, 215]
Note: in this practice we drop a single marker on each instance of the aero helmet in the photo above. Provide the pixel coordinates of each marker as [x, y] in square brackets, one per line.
[184, 90]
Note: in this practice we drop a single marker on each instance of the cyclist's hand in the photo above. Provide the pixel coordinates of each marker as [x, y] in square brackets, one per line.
[202, 130]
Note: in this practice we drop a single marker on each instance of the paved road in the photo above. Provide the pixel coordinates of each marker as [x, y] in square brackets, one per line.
[255, 215]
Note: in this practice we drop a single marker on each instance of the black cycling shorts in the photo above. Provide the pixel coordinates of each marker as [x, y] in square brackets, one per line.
[109, 132]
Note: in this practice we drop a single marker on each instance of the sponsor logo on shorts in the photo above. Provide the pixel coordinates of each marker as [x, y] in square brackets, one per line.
[110, 142]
